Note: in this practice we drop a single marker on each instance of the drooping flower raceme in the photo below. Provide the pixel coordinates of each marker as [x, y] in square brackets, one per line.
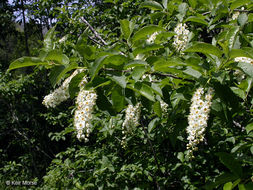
[83, 114]
[132, 116]
[60, 94]
[244, 59]
[181, 37]
[164, 106]
[197, 120]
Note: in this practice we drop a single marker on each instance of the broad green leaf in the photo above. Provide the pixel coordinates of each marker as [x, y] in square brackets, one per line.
[97, 65]
[192, 72]
[250, 17]
[145, 90]
[204, 48]
[153, 5]
[118, 99]
[145, 31]
[231, 36]
[157, 89]
[162, 64]
[26, 62]
[242, 19]
[196, 19]
[57, 57]
[59, 71]
[238, 3]
[126, 28]
[233, 165]
[152, 124]
[238, 92]
[165, 4]
[74, 84]
[247, 68]
[182, 8]
[157, 109]
[239, 53]
[120, 80]
[116, 60]
[48, 44]
[241, 187]
[163, 37]
[54, 74]
[135, 63]
[146, 48]
[175, 98]
[97, 82]
[87, 52]
[228, 186]
[138, 71]
[249, 127]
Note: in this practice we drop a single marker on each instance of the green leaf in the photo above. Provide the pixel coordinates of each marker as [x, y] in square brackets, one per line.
[54, 74]
[126, 28]
[239, 92]
[192, 72]
[97, 66]
[241, 187]
[97, 82]
[152, 124]
[249, 128]
[26, 62]
[146, 48]
[239, 53]
[120, 80]
[135, 63]
[165, 4]
[250, 17]
[182, 8]
[196, 19]
[238, 3]
[231, 36]
[116, 60]
[162, 64]
[74, 84]
[145, 31]
[228, 186]
[138, 71]
[204, 48]
[48, 44]
[242, 19]
[157, 109]
[232, 164]
[145, 90]
[247, 68]
[57, 57]
[87, 52]
[153, 5]
[118, 99]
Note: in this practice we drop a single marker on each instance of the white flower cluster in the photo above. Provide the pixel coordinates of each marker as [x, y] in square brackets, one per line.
[132, 116]
[243, 59]
[198, 117]
[164, 106]
[152, 37]
[235, 15]
[181, 37]
[85, 102]
[60, 94]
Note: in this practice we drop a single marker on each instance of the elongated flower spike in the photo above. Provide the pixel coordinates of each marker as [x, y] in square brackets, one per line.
[197, 120]
[181, 37]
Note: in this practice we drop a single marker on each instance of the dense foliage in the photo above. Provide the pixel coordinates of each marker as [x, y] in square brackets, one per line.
[159, 93]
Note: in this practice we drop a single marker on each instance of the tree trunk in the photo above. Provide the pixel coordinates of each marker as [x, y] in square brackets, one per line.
[25, 29]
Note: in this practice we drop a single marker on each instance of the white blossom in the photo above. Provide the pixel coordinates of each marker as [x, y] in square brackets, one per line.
[60, 94]
[235, 15]
[244, 59]
[85, 102]
[181, 37]
[132, 116]
[197, 120]
[152, 38]
[164, 106]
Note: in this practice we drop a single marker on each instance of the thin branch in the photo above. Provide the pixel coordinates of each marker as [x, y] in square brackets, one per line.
[159, 74]
[94, 31]
[95, 41]
[237, 10]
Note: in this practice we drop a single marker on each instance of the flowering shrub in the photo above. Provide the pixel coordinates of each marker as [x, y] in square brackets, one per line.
[159, 86]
